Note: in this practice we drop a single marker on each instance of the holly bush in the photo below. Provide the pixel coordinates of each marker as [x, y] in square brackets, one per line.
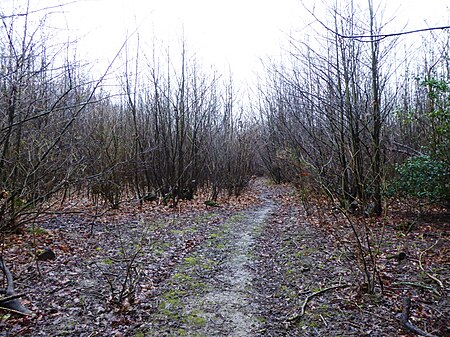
[425, 177]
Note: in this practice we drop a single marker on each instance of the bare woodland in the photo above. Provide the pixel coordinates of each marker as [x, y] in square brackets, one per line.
[353, 117]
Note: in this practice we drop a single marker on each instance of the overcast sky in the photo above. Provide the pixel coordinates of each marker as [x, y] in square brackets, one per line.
[224, 32]
[229, 34]
[234, 33]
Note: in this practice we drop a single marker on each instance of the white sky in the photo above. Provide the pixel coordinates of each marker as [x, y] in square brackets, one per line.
[227, 33]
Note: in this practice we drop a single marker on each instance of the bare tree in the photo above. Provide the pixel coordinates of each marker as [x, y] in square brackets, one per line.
[40, 98]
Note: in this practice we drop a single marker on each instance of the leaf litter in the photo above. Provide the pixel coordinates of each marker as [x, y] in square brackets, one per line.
[242, 269]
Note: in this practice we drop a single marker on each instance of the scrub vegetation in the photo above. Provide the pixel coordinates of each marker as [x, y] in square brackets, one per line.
[167, 206]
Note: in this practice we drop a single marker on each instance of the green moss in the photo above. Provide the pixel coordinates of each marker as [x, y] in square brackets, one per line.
[204, 218]
[213, 236]
[290, 271]
[180, 333]
[197, 285]
[236, 218]
[301, 324]
[156, 225]
[158, 248]
[257, 231]
[171, 302]
[187, 230]
[191, 260]
[108, 261]
[306, 251]
[323, 307]
[313, 324]
[194, 319]
[182, 277]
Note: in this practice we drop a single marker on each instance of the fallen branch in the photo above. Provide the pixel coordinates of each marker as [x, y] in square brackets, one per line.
[11, 302]
[435, 279]
[419, 285]
[309, 297]
[407, 324]
[9, 298]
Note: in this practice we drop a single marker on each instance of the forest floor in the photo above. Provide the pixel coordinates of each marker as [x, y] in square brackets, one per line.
[263, 264]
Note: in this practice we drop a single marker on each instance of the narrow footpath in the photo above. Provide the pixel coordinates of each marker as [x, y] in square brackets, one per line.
[211, 292]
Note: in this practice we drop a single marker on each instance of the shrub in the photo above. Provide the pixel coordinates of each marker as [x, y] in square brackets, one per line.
[424, 177]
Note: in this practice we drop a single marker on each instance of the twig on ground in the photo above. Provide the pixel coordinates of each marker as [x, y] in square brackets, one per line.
[309, 297]
[323, 319]
[435, 279]
[9, 298]
[419, 285]
[10, 301]
[405, 320]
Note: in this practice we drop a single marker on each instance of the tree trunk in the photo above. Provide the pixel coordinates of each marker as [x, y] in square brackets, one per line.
[376, 115]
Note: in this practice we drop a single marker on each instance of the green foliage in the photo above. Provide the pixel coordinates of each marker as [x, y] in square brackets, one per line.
[36, 230]
[211, 203]
[424, 177]
[439, 115]
[427, 176]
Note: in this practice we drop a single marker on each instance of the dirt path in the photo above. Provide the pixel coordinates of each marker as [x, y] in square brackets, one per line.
[212, 291]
